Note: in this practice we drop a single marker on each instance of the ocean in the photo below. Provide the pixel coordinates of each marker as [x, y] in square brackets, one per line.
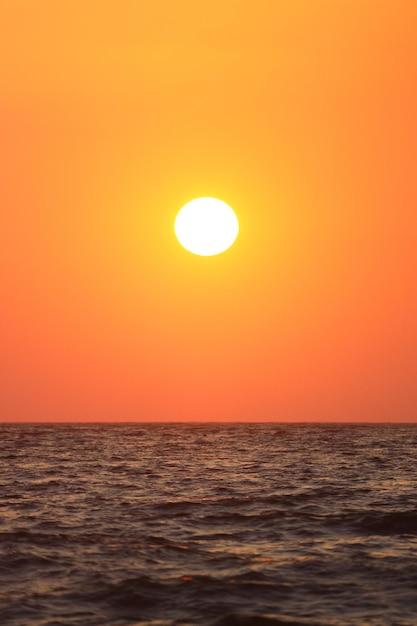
[212, 524]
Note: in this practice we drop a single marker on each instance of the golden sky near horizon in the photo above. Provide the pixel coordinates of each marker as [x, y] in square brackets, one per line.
[299, 114]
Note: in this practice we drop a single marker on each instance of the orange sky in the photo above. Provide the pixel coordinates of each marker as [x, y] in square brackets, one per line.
[301, 115]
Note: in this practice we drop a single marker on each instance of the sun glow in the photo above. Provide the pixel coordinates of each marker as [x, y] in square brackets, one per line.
[206, 226]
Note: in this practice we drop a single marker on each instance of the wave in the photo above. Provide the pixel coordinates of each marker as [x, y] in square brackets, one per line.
[241, 619]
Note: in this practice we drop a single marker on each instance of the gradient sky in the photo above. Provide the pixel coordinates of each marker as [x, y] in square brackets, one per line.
[301, 114]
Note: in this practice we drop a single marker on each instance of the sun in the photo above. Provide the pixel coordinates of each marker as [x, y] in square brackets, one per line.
[206, 226]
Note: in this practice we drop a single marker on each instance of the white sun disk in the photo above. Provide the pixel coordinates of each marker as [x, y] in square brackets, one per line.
[206, 226]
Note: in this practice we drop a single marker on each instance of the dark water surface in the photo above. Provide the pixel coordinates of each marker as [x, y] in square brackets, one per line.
[208, 524]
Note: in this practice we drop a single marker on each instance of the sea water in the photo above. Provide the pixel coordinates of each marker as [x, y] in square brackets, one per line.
[212, 524]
